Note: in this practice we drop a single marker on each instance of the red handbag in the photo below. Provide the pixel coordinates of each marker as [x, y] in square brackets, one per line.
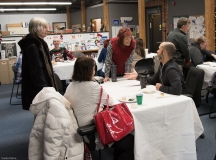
[114, 122]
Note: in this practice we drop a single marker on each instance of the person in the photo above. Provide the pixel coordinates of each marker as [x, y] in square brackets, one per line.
[102, 57]
[169, 78]
[198, 51]
[139, 52]
[19, 69]
[60, 53]
[119, 51]
[85, 106]
[37, 71]
[179, 38]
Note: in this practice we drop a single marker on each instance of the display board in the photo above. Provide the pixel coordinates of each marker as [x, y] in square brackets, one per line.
[8, 48]
[197, 26]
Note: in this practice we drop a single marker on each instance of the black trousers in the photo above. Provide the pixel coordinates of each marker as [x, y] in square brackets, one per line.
[124, 148]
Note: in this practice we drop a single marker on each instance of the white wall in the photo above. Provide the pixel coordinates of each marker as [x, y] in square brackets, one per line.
[18, 18]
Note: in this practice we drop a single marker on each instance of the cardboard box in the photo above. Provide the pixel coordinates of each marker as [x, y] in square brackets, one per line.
[4, 33]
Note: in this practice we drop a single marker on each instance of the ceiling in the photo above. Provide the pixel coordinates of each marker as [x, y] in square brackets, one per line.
[76, 5]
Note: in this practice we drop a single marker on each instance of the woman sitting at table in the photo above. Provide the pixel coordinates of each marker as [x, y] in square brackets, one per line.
[84, 94]
[139, 52]
[102, 57]
[119, 51]
[60, 53]
[198, 51]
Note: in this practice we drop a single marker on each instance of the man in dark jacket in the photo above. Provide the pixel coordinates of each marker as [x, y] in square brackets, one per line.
[37, 71]
[179, 39]
[169, 78]
[198, 52]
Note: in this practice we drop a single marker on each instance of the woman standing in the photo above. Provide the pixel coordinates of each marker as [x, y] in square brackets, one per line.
[37, 71]
[84, 94]
[102, 57]
[119, 51]
[139, 52]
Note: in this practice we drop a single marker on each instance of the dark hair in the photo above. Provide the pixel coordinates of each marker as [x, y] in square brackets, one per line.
[106, 43]
[170, 48]
[182, 21]
[122, 34]
[139, 48]
[83, 69]
[200, 40]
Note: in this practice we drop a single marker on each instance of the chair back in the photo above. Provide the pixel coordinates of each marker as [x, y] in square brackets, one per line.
[194, 83]
[58, 83]
[145, 66]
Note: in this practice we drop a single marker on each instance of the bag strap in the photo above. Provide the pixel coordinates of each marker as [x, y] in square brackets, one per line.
[99, 103]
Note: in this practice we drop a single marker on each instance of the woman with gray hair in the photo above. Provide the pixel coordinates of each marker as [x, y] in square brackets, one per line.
[37, 71]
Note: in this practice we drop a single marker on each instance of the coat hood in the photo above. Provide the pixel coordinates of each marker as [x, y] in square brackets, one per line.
[45, 94]
[25, 42]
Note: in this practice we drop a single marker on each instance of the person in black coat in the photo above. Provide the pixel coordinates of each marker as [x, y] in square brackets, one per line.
[198, 51]
[169, 78]
[179, 38]
[37, 71]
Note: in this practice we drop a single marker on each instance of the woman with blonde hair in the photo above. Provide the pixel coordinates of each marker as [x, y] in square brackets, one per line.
[139, 52]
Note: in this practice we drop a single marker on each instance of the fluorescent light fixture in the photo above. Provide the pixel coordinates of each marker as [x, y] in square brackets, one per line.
[28, 9]
[35, 3]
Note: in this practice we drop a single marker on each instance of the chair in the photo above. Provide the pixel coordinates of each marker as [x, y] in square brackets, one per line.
[194, 83]
[18, 96]
[58, 83]
[145, 66]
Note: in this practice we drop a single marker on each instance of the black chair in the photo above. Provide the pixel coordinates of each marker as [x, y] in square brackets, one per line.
[18, 95]
[58, 83]
[194, 83]
[89, 132]
[145, 66]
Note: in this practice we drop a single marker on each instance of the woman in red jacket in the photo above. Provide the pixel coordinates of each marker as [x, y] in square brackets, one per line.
[119, 51]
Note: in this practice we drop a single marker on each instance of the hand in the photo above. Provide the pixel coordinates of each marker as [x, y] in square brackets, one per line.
[57, 59]
[213, 55]
[106, 79]
[131, 76]
[158, 85]
[74, 59]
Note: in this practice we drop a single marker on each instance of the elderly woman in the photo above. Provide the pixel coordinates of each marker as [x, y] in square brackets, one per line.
[139, 52]
[37, 71]
[119, 51]
[84, 94]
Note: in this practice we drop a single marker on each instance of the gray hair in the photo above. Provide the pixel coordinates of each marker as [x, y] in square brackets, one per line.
[36, 25]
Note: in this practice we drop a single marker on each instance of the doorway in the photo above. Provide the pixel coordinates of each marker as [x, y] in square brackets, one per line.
[153, 28]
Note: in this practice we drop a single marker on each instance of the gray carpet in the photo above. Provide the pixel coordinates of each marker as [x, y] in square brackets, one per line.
[16, 124]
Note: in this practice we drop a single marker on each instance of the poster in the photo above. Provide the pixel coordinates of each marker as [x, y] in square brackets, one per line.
[9, 47]
[197, 26]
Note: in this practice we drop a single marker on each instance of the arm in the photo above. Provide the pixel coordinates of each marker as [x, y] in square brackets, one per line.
[209, 53]
[196, 56]
[130, 59]
[108, 62]
[102, 56]
[155, 79]
[184, 48]
[175, 82]
[69, 54]
[35, 67]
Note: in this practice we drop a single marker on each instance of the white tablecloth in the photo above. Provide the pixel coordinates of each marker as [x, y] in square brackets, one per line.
[209, 68]
[65, 69]
[165, 128]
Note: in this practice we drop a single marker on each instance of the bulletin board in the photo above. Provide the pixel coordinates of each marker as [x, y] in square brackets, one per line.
[197, 26]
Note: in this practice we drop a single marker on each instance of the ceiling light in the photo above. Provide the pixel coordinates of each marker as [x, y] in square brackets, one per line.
[28, 9]
[36, 3]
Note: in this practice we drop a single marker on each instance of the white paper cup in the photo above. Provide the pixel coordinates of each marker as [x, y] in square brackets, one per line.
[146, 51]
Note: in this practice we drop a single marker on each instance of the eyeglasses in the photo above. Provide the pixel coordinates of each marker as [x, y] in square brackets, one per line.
[128, 38]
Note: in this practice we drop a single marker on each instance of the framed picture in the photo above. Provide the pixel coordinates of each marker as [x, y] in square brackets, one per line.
[76, 28]
[58, 27]
[175, 20]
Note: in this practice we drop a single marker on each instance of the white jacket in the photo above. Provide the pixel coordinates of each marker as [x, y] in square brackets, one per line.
[54, 134]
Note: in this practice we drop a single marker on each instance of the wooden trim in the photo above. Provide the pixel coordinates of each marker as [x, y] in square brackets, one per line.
[83, 15]
[68, 17]
[141, 19]
[106, 15]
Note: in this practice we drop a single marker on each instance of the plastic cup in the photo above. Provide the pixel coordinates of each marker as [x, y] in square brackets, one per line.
[128, 67]
[146, 51]
[139, 98]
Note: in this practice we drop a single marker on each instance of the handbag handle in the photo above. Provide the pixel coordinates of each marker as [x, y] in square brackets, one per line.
[99, 103]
